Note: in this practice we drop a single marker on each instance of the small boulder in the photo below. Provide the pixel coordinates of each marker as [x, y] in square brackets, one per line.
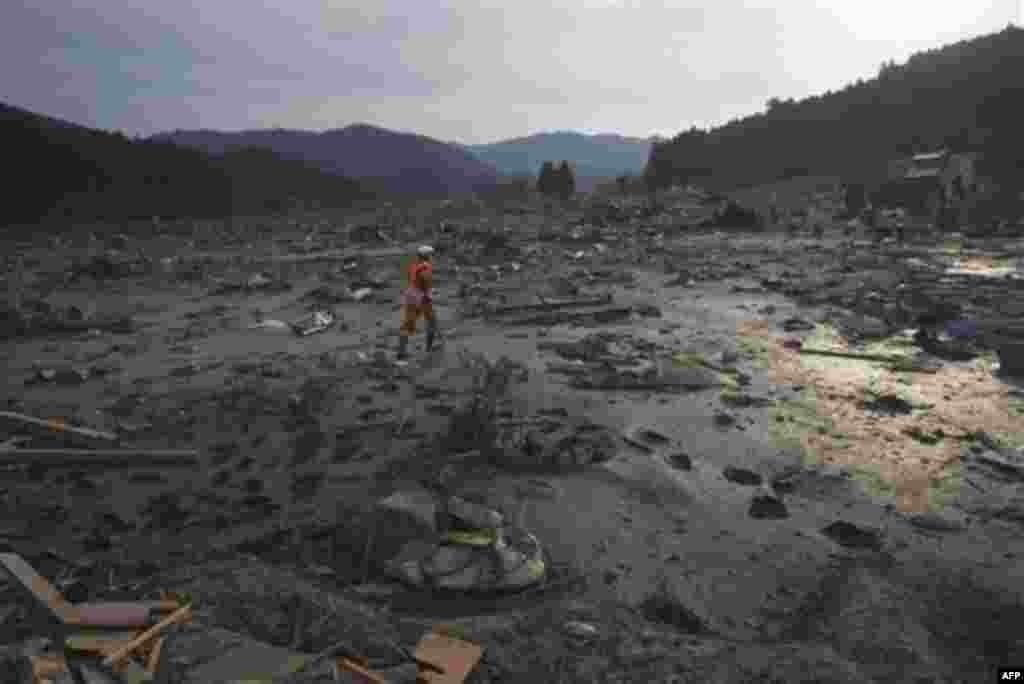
[449, 559]
[768, 507]
[399, 519]
[742, 476]
[474, 515]
[680, 461]
[937, 522]
[418, 506]
[479, 573]
[853, 536]
[580, 630]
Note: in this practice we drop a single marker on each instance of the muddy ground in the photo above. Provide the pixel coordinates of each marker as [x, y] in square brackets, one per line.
[766, 516]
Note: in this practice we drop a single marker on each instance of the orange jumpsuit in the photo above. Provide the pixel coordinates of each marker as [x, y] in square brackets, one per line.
[416, 298]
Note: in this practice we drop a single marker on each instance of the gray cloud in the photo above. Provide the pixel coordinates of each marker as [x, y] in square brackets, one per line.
[472, 70]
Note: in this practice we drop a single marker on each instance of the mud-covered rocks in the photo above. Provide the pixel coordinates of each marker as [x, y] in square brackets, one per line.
[853, 536]
[767, 506]
[399, 519]
[580, 631]
[741, 476]
[680, 460]
[566, 446]
[474, 515]
[476, 551]
[937, 522]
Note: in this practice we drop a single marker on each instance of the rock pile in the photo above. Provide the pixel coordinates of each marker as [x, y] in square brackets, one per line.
[462, 546]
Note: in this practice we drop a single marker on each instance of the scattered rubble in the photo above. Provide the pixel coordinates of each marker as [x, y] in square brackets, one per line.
[458, 485]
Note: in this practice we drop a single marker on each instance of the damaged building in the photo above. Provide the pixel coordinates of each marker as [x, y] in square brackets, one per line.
[936, 186]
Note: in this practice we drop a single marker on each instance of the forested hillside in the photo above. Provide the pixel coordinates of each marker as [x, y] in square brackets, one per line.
[65, 171]
[968, 96]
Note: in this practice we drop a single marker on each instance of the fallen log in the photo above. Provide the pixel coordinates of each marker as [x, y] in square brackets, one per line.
[352, 429]
[119, 325]
[134, 458]
[556, 317]
[571, 368]
[55, 425]
[551, 305]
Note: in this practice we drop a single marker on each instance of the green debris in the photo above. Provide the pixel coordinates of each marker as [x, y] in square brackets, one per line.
[923, 437]
[693, 360]
[945, 487]
[871, 481]
[789, 420]
[483, 537]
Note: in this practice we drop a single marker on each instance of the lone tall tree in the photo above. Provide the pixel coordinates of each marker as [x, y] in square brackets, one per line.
[546, 180]
[566, 186]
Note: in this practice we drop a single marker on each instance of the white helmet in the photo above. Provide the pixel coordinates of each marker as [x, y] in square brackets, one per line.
[425, 250]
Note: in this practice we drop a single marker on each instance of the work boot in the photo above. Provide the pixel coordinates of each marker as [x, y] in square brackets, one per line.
[403, 347]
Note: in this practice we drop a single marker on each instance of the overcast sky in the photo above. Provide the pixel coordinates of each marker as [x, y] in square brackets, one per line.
[465, 70]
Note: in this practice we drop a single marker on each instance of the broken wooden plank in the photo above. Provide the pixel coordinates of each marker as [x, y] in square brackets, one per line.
[135, 458]
[153, 662]
[181, 615]
[55, 425]
[357, 672]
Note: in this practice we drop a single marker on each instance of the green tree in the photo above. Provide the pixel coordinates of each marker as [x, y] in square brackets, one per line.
[566, 186]
[546, 180]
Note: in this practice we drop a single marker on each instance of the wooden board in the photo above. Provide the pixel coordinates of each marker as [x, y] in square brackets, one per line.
[34, 583]
[456, 657]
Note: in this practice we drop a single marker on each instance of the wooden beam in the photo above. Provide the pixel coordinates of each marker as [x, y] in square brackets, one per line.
[56, 425]
[135, 458]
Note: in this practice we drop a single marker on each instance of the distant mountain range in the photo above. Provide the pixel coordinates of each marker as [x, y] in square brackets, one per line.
[78, 173]
[598, 156]
[393, 161]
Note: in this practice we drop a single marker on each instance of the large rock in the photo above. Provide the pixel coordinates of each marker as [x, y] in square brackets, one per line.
[471, 569]
[416, 506]
[399, 519]
[522, 567]
[853, 536]
[474, 515]
[478, 574]
[566, 447]
[449, 559]
[741, 476]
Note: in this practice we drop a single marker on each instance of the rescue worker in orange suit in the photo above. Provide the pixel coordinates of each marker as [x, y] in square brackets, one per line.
[417, 300]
